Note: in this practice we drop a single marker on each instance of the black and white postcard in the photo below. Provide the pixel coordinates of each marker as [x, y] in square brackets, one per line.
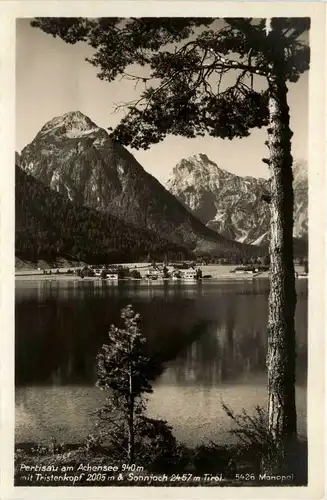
[162, 204]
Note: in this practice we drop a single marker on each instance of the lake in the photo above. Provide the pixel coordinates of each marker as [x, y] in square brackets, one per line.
[213, 336]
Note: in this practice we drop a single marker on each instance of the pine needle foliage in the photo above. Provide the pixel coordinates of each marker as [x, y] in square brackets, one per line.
[125, 370]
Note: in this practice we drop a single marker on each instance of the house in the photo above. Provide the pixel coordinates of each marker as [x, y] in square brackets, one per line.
[242, 270]
[188, 274]
[112, 276]
[152, 274]
[86, 272]
[97, 271]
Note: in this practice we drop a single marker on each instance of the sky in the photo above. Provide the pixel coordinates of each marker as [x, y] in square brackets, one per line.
[53, 78]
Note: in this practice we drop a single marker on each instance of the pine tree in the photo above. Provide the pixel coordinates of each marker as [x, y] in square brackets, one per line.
[186, 93]
[125, 370]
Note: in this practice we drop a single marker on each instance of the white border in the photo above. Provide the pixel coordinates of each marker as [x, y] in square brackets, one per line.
[9, 10]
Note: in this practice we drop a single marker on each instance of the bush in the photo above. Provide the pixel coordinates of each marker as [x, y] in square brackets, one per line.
[208, 458]
[155, 446]
[93, 443]
[252, 430]
[123, 272]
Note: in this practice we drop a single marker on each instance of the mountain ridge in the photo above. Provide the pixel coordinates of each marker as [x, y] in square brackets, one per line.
[233, 205]
[76, 158]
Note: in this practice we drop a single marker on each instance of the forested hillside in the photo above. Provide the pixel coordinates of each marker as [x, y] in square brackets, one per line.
[49, 226]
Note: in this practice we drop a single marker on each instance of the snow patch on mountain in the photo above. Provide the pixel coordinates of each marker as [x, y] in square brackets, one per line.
[75, 132]
[262, 239]
[73, 124]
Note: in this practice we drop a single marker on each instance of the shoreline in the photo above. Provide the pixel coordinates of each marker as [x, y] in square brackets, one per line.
[217, 272]
[73, 278]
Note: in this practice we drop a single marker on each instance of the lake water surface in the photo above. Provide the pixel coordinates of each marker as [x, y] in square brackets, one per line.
[212, 335]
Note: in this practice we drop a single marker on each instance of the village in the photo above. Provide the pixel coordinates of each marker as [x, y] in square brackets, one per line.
[185, 272]
[149, 272]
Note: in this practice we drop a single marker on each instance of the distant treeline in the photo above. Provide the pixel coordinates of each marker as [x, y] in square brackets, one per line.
[49, 226]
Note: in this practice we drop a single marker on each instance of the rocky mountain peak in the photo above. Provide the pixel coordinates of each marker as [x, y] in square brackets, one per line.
[201, 157]
[196, 162]
[230, 204]
[196, 170]
[72, 124]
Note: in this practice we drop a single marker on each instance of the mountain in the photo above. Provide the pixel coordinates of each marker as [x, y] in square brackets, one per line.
[49, 227]
[300, 186]
[233, 205]
[17, 158]
[76, 158]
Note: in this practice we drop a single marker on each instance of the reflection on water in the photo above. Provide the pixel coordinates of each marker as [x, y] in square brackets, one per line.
[212, 337]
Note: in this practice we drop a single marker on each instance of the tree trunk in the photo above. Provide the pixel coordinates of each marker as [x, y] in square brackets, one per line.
[130, 444]
[281, 355]
[130, 448]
